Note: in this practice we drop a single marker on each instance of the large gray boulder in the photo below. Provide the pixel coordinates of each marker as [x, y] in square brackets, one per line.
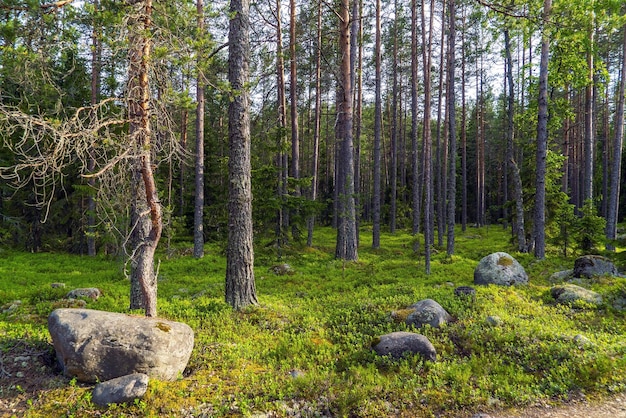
[589, 266]
[427, 312]
[398, 344]
[500, 269]
[121, 389]
[570, 293]
[97, 346]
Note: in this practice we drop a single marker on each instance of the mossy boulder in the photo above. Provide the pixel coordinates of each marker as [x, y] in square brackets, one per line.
[500, 269]
[96, 346]
[572, 294]
[589, 266]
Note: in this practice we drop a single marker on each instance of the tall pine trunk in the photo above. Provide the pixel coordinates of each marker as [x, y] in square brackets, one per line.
[198, 213]
[451, 127]
[427, 155]
[317, 122]
[240, 286]
[377, 133]
[346, 214]
[147, 216]
[96, 52]
[293, 91]
[616, 168]
[414, 125]
[542, 137]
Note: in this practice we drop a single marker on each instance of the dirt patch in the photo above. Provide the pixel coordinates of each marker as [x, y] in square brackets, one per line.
[26, 370]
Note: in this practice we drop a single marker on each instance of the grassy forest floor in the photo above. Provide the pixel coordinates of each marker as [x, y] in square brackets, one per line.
[305, 351]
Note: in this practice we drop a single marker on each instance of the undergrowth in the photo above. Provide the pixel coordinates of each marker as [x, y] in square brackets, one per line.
[306, 349]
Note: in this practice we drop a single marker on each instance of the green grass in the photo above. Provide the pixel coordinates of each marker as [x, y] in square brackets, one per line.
[320, 322]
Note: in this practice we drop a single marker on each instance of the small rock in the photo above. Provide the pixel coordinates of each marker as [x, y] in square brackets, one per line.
[582, 341]
[122, 389]
[57, 285]
[19, 374]
[397, 344]
[465, 292]
[493, 320]
[89, 292]
[11, 306]
[561, 276]
[282, 269]
[429, 312]
[21, 359]
[295, 373]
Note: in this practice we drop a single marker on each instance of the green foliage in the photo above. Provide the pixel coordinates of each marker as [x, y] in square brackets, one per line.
[591, 228]
[307, 346]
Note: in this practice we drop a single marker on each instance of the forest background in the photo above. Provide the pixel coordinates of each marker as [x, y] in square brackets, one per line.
[399, 114]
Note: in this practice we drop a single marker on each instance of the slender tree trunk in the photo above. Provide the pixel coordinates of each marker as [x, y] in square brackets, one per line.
[240, 287]
[428, 181]
[198, 213]
[393, 175]
[463, 135]
[451, 127]
[346, 227]
[357, 70]
[293, 90]
[96, 55]
[439, 168]
[414, 125]
[512, 166]
[149, 229]
[589, 128]
[282, 220]
[317, 123]
[616, 168]
[542, 137]
[182, 172]
[377, 133]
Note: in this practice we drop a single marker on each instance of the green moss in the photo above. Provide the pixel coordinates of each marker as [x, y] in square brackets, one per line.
[505, 261]
[322, 321]
[401, 315]
[163, 327]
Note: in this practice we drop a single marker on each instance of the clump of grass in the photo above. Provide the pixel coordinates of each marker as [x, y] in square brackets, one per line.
[307, 346]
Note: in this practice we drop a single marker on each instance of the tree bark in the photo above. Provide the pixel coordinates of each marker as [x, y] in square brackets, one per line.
[414, 124]
[463, 135]
[317, 122]
[293, 90]
[240, 286]
[346, 227]
[518, 226]
[376, 198]
[198, 214]
[281, 159]
[357, 76]
[616, 167]
[451, 127]
[96, 55]
[393, 172]
[428, 181]
[148, 230]
[589, 127]
[542, 137]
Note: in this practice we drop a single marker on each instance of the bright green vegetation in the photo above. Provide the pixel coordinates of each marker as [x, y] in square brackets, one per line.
[307, 346]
